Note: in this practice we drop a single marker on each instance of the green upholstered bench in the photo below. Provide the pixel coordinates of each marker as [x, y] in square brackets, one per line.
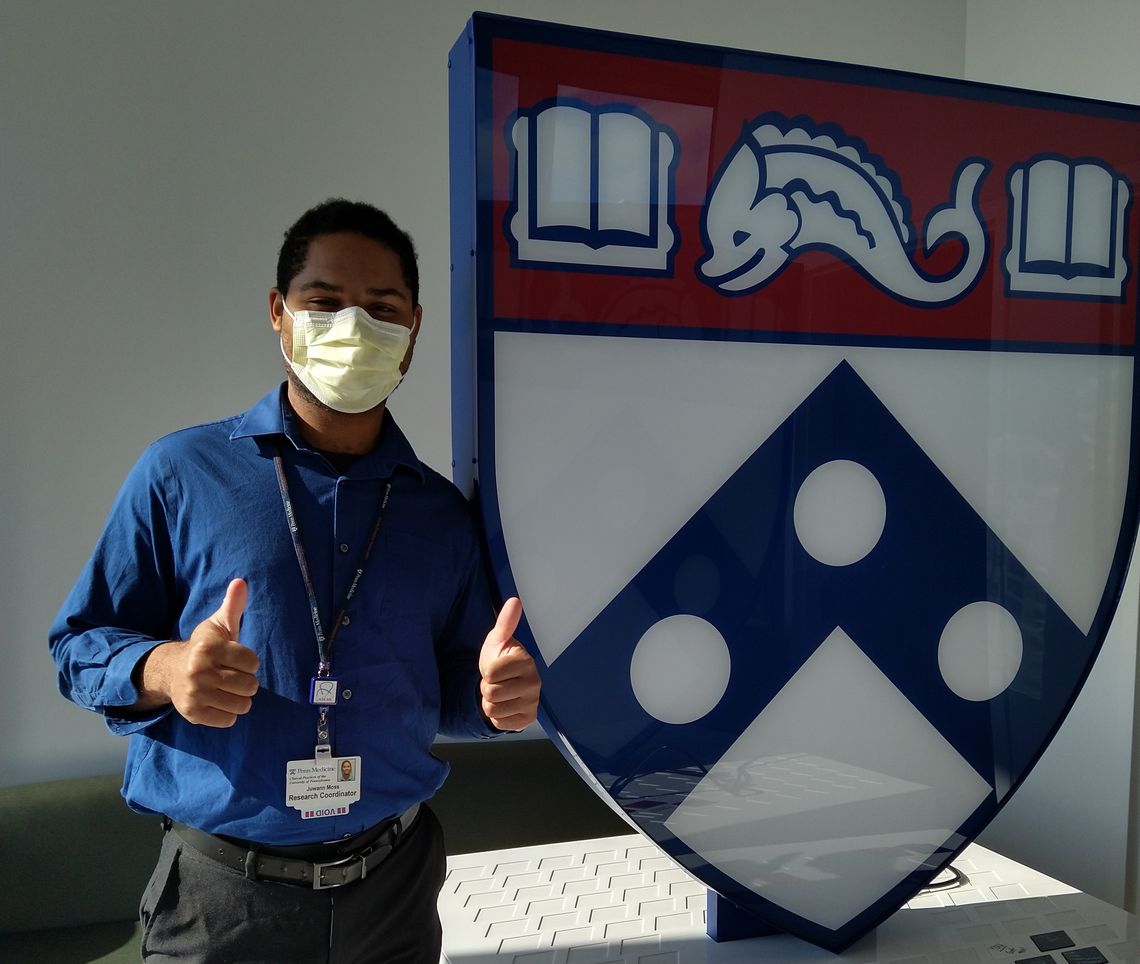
[77, 859]
[77, 862]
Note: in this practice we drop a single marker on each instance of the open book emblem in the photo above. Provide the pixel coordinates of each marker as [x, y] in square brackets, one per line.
[593, 187]
[1067, 227]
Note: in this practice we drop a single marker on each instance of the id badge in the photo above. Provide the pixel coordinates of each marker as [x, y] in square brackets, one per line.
[322, 787]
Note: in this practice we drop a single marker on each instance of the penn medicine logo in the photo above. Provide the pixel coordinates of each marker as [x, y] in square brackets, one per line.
[805, 437]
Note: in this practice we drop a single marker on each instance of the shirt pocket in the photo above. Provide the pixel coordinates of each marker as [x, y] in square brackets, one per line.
[388, 713]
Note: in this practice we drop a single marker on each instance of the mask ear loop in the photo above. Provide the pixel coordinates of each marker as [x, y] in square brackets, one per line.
[285, 308]
[404, 374]
[281, 339]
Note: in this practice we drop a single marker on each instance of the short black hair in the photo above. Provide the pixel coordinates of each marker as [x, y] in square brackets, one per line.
[338, 215]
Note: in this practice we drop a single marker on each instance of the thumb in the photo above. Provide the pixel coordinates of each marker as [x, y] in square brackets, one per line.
[504, 630]
[228, 616]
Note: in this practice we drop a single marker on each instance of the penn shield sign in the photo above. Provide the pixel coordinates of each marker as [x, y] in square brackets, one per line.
[797, 399]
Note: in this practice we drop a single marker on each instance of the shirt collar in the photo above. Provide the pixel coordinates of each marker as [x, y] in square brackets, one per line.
[272, 415]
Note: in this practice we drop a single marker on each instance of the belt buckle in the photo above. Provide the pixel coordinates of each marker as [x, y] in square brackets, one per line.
[319, 870]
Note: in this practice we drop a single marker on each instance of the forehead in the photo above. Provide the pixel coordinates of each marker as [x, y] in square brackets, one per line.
[351, 261]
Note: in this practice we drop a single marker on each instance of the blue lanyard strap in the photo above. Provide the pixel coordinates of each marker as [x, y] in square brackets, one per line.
[325, 645]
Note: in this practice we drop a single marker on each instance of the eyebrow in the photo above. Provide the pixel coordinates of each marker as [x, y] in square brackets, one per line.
[318, 284]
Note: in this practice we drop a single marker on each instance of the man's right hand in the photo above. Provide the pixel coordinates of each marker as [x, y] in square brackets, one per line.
[210, 677]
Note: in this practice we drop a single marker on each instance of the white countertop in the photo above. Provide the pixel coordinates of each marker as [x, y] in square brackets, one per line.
[622, 899]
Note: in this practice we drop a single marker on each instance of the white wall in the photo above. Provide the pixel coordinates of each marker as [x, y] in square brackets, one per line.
[1074, 816]
[151, 155]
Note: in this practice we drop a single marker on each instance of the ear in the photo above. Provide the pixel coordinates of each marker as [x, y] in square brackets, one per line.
[276, 308]
[417, 315]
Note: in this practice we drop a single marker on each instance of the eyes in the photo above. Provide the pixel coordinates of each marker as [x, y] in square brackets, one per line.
[377, 309]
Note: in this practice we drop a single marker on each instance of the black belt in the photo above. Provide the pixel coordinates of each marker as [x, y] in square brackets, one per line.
[370, 849]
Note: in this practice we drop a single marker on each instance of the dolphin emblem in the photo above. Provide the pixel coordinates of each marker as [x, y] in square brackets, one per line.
[793, 185]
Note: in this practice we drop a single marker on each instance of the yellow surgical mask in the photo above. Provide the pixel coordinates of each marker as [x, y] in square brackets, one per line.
[347, 359]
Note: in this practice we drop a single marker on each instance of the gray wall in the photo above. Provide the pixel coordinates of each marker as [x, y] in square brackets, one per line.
[151, 154]
[1075, 816]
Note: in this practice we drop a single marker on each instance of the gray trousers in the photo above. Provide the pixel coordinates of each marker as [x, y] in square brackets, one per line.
[197, 910]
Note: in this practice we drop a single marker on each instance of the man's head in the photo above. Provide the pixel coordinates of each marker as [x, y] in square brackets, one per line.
[341, 255]
[337, 216]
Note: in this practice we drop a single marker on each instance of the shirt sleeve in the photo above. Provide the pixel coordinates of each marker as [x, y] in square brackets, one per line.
[457, 650]
[122, 605]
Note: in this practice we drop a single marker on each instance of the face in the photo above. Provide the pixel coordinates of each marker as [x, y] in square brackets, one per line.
[342, 270]
[346, 768]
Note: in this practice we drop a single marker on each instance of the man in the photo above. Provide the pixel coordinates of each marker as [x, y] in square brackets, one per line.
[282, 590]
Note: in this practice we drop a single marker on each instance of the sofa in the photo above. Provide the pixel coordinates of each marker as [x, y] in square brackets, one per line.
[76, 859]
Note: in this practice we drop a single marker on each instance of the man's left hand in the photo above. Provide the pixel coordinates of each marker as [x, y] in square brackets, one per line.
[510, 683]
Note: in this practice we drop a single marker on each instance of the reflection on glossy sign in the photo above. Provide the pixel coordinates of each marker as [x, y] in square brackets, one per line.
[798, 403]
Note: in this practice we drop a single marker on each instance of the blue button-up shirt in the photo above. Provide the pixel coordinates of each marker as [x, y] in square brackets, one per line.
[202, 507]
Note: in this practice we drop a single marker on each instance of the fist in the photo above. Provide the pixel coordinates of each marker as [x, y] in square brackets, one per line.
[210, 678]
[509, 686]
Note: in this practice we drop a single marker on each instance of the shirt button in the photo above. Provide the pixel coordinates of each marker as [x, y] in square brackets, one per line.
[348, 694]
[344, 547]
[345, 621]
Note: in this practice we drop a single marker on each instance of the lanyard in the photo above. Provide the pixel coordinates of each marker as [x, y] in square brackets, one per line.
[325, 645]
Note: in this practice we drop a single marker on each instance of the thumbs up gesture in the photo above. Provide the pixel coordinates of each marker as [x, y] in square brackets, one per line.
[510, 683]
[210, 677]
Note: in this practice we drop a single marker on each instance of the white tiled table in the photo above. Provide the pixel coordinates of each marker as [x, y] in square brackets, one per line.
[621, 899]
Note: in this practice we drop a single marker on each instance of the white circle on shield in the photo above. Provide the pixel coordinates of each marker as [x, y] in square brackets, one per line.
[980, 651]
[840, 513]
[680, 669]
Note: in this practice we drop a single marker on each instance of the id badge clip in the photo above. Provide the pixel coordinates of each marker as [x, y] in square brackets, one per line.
[323, 691]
